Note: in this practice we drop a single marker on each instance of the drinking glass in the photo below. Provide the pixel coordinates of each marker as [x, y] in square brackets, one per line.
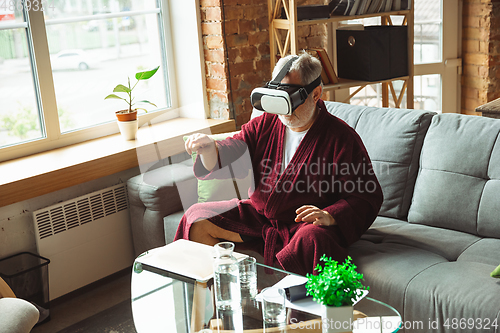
[273, 305]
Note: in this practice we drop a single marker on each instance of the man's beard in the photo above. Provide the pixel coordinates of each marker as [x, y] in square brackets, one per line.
[297, 121]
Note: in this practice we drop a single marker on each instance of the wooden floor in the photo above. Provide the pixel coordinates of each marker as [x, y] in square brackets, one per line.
[86, 302]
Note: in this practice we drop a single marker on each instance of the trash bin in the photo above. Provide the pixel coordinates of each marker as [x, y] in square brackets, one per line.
[27, 274]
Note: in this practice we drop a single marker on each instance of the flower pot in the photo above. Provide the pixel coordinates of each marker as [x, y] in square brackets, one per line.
[128, 129]
[128, 124]
[124, 115]
[336, 319]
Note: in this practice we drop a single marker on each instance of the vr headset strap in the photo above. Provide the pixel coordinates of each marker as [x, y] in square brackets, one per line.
[310, 87]
[277, 80]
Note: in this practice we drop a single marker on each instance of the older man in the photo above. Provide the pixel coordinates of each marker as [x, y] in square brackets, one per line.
[315, 190]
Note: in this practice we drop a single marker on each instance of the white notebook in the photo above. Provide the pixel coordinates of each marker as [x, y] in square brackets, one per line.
[186, 258]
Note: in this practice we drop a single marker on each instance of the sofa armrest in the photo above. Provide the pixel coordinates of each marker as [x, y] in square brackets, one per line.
[156, 194]
[17, 315]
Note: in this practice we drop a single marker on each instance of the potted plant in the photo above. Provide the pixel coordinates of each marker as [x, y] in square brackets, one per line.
[127, 118]
[335, 287]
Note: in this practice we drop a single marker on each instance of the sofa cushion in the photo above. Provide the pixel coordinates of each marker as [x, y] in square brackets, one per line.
[393, 139]
[449, 244]
[461, 290]
[459, 179]
[388, 268]
[483, 251]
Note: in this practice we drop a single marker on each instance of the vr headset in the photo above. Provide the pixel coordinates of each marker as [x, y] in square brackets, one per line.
[279, 98]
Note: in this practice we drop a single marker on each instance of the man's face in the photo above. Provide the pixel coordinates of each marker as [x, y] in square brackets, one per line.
[303, 117]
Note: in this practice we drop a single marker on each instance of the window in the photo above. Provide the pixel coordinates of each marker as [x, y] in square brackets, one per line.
[58, 62]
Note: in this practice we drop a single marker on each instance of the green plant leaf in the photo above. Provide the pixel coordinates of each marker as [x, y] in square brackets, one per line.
[147, 74]
[114, 96]
[335, 284]
[122, 88]
[147, 102]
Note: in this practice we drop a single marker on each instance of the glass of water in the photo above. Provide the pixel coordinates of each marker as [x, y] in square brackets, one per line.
[248, 277]
[273, 305]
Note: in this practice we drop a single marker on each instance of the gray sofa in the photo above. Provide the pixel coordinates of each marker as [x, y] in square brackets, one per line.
[430, 252]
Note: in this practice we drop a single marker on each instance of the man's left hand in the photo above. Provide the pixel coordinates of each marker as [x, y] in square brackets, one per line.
[314, 215]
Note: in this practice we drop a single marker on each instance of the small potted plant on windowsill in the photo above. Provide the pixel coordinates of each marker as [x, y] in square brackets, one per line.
[127, 118]
[336, 287]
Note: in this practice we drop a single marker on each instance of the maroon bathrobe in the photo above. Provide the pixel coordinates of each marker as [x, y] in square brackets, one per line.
[330, 170]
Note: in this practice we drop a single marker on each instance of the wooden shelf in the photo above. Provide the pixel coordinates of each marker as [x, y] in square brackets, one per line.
[345, 83]
[348, 18]
[283, 45]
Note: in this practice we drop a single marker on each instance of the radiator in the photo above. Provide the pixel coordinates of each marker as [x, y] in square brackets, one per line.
[86, 238]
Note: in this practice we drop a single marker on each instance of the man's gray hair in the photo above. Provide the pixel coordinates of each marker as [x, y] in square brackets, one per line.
[308, 67]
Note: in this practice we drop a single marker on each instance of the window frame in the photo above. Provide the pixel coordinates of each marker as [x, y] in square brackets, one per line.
[35, 28]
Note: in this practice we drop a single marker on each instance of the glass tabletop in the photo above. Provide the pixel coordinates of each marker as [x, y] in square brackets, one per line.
[163, 302]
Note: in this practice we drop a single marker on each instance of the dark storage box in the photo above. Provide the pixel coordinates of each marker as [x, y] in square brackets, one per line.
[373, 54]
[27, 274]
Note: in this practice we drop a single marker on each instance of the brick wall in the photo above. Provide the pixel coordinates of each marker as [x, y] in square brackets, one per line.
[238, 63]
[481, 53]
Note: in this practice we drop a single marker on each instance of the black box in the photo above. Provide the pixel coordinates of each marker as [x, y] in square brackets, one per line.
[373, 54]
[27, 274]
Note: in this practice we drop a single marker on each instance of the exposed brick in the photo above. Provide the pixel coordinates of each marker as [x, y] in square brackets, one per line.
[243, 117]
[246, 26]
[258, 38]
[236, 40]
[471, 33]
[318, 29]
[216, 70]
[472, 46]
[233, 13]
[471, 104]
[494, 60]
[213, 14]
[315, 41]
[217, 84]
[262, 23]
[263, 65]
[475, 58]
[214, 55]
[254, 12]
[211, 28]
[209, 3]
[220, 96]
[213, 42]
[304, 30]
[473, 21]
[242, 68]
[471, 70]
[234, 54]
[235, 81]
[231, 27]
[248, 53]
[254, 79]
[263, 49]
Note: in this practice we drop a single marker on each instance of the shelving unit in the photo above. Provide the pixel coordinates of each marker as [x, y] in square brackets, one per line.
[289, 46]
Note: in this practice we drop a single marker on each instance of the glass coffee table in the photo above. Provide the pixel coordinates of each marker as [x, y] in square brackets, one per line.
[165, 302]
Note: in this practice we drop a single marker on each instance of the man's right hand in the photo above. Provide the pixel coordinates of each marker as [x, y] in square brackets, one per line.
[205, 146]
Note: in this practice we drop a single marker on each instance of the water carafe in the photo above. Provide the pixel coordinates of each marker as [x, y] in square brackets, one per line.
[226, 277]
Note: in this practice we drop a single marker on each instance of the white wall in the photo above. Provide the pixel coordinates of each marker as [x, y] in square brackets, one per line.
[17, 232]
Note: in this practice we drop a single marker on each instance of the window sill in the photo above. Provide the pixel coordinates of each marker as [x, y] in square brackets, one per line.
[35, 175]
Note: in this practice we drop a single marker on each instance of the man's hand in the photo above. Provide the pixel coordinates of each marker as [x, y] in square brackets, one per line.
[205, 146]
[314, 215]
